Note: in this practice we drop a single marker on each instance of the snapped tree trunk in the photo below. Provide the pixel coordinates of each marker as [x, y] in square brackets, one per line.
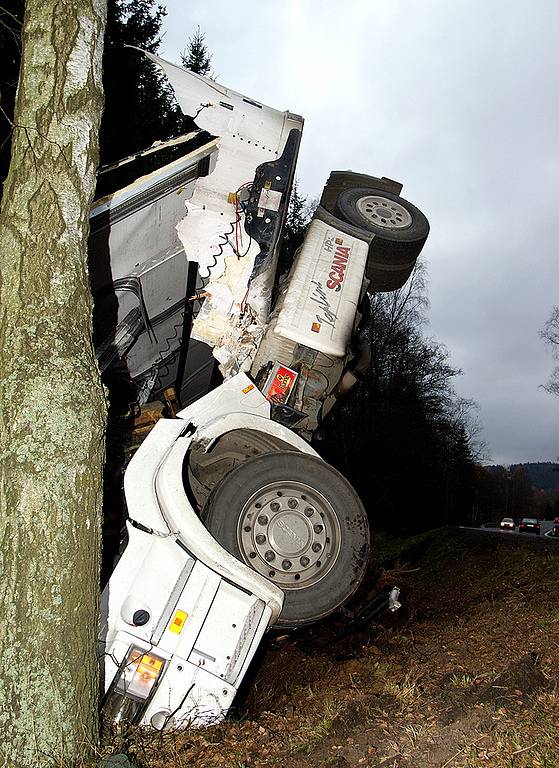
[52, 408]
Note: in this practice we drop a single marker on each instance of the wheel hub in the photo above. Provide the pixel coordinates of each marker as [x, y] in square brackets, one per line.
[383, 212]
[289, 533]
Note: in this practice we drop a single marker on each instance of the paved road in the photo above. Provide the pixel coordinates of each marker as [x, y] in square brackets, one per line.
[545, 526]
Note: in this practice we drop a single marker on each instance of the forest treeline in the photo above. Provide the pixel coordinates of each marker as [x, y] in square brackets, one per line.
[404, 438]
[521, 490]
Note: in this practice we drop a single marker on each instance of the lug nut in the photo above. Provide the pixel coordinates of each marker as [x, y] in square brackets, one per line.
[292, 503]
[316, 547]
[260, 539]
[262, 520]
[317, 528]
[309, 511]
[286, 564]
[304, 561]
[274, 506]
[269, 556]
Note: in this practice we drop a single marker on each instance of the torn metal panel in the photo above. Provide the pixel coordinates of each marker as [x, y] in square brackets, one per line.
[227, 113]
[234, 242]
[137, 261]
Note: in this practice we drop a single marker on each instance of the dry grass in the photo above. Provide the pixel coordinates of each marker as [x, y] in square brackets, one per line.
[529, 740]
[406, 692]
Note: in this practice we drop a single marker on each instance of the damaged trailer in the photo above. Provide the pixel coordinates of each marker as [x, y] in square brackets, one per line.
[235, 524]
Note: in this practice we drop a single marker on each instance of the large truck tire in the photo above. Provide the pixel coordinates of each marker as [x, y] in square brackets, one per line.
[399, 228]
[297, 521]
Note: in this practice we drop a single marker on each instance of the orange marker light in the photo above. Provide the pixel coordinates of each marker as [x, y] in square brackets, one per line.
[178, 621]
[149, 667]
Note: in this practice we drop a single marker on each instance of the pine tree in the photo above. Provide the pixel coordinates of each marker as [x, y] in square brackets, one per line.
[195, 57]
[140, 107]
[401, 436]
[296, 223]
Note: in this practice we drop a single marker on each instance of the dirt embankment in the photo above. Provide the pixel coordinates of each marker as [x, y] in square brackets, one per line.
[464, 675]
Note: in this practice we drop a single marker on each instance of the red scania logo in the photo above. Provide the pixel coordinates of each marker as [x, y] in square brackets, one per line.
[338, 267]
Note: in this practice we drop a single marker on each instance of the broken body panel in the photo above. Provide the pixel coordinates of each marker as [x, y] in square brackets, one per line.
[220, 206]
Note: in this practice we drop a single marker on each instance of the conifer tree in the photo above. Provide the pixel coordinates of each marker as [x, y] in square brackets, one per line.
[296, 223]
[195, 57]
[140, 107]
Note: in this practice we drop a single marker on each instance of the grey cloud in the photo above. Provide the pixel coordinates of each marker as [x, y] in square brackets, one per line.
[457, 100]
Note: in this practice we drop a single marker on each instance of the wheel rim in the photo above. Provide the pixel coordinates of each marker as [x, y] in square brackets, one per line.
[383, 212]
[289, 532]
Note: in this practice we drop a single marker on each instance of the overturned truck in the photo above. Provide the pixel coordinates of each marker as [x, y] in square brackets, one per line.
[235, 524]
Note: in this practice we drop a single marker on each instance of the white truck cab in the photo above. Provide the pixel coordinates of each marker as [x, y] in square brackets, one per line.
[235, 524]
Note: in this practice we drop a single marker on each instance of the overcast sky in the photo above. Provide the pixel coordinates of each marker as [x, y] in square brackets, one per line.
[460, 102]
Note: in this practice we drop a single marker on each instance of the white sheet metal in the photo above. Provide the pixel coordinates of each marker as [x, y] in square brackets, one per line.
[321, 301]
[250, 134]
[220, 110]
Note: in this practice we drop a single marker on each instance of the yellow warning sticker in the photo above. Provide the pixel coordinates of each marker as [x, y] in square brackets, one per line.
[178, 621]
[248, 389]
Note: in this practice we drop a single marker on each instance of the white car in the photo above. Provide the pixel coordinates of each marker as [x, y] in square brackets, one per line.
[507, 523]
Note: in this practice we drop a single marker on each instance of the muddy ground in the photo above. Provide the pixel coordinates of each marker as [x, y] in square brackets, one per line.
[465, 674]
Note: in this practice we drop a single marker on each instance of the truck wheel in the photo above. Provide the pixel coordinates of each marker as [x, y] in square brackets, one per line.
[298, 522]
[400, 231]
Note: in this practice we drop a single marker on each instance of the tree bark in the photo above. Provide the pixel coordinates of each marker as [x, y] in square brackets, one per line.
[52, 407]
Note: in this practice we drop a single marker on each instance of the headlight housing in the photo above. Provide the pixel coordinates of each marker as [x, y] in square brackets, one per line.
[133, 685]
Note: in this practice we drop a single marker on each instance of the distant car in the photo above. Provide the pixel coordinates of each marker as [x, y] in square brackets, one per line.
[507, 522]
[529, 525]
[556, 520]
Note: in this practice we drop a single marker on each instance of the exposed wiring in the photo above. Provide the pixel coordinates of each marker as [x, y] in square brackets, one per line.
[244, 300]
[248, 246]
[202, 107]
[167, 357]
[237, 219]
